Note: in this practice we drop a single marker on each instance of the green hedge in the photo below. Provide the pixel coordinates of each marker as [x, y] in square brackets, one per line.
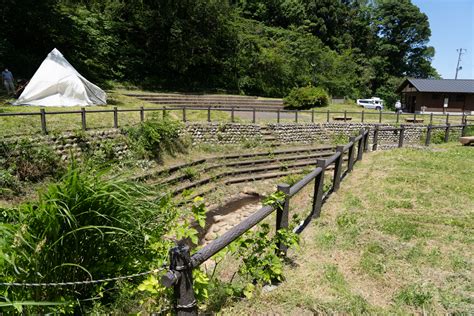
[306, 98]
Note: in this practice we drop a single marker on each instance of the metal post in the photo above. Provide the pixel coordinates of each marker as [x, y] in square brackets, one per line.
[282, 215]
[83, 119]
[296, 116]
[184, 114]
[376, 139]
[253, 115]
[278, 116]
[431, 118]
[428, 135]
[446, 134]
[338, 168]
[401, 136]
[142, 114]
[180, 261]
[327, 118]
[115, 117]
[318, 189]
[312, 116]
[380, 116]
[209, 114]
[232, 119]
[360, 146]
[350, 164]
[43, 122]
[362, 117]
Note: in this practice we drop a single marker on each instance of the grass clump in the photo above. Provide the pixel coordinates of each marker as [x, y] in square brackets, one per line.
[414, 295]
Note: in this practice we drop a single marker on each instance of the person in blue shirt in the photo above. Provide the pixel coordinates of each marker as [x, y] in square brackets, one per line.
[7, 78]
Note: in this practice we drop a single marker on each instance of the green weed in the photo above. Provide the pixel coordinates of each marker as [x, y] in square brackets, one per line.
[414, 295]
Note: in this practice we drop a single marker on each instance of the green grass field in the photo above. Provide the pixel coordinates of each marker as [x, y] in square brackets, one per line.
[396, 239]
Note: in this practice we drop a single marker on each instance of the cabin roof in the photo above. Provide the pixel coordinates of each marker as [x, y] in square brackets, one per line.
[440, 85]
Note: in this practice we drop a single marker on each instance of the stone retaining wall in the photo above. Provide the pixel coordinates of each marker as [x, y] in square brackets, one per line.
[215, 133]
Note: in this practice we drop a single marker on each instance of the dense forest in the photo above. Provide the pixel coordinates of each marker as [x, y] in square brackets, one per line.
[353, 48]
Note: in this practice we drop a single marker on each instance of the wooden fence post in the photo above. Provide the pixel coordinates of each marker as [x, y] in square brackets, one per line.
[376, 139]
[142, 114]
[312, 115]
[278, 116]
[318, 189]
[345, 116]
[164, 112]
[464, 128]
[380, 116]
[282, 215]
[360, 146]
[209, 114]
[232, 119]
[115, 117]
[414, 117]
[253, 115]
[428, 135]
[327, 117]
[447, 118]
[43, 122]
[184, 114]
[431, 118]
[296, 116]
[350, 164]
[398, 117]
[401, 136]
[180, 261]
[362, 117]
[83, 119]
[446, 134]
[366, 140]
[338, 169]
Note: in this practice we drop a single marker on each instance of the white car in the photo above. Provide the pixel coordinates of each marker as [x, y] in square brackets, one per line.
[372, 103]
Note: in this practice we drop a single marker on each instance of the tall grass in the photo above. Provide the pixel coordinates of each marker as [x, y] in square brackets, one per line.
[81, 228]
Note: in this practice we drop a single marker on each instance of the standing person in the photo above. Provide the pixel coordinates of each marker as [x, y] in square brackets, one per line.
[398, 106]
[7, 78]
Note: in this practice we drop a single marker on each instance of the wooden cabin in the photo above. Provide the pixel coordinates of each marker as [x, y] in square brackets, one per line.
[437, 95]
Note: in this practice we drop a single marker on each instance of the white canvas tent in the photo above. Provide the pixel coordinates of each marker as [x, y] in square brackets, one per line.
[57, 83]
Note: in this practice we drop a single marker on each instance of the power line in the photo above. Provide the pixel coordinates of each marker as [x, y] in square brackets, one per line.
[461, 51]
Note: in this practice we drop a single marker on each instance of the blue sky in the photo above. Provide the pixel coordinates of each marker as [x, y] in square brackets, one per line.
[452, 27]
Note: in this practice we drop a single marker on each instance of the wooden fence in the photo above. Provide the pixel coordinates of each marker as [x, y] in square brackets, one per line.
[327, 116]
[179, 275]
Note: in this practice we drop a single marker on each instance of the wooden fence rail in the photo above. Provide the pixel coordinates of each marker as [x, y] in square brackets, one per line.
[179, 275]
[297, 114]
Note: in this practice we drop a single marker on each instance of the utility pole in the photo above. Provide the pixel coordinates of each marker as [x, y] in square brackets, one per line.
[461, 52]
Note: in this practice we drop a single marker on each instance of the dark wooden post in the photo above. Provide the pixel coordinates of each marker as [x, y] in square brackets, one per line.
[362, 117]
[414, 118]
[184, 114]
[380, 116]
[431, 118]
[345, 115]
[350, 164]
[296, 116]
[447, 118]
[366, 140]
[463, 118]
[312, 116]
[327, 117]
[398, 117]
[338, 168]
[142, 114]
[115, 117]
[401, 136]
[278, 116]
[464, 128]
[232, 119]
[253, 115]
[318, 189]
[43, 122]
[164, 112]
[282, 215]
[360, 146]
[83, 119]
[209, 114]
[428, 135]
[180, 261]
[446, 134]
[376, 139]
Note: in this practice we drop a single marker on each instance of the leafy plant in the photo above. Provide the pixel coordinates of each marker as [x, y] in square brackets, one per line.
[306, 98]
[190, 173]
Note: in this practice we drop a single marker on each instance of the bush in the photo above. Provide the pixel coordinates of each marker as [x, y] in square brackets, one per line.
[306, 98]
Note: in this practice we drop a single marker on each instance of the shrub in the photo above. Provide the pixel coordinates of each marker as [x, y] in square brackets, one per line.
[154, 137]
[306, 98]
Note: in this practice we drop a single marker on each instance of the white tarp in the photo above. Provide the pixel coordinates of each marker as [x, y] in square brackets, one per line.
[57, 83]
